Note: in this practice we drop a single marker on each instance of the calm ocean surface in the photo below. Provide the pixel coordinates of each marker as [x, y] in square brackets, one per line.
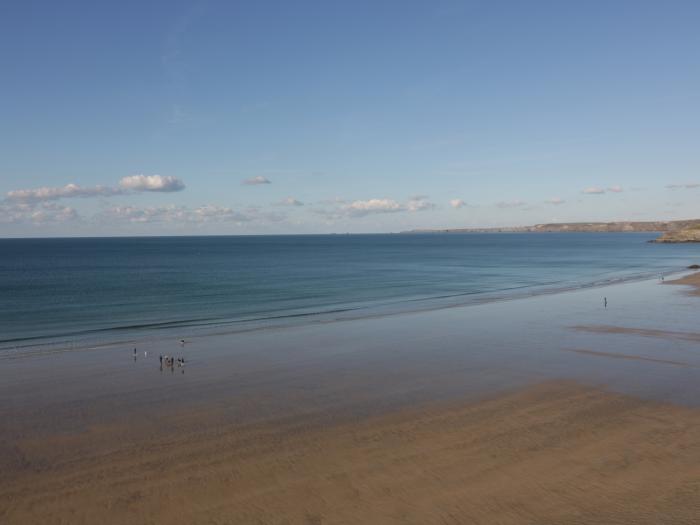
[74, 292]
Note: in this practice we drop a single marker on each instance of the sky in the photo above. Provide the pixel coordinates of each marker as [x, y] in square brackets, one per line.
[273, 117]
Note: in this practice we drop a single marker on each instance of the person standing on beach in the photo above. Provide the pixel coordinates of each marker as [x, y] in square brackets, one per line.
[605, 302]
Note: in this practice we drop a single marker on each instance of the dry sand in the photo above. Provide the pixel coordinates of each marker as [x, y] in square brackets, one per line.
[556, 453]
[689, 280]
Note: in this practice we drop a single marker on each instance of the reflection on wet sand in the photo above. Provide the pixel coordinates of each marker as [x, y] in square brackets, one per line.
[625, 356]
[461, 415]
[645, 332]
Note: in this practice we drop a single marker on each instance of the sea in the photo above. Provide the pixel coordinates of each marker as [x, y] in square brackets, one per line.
[77, 293]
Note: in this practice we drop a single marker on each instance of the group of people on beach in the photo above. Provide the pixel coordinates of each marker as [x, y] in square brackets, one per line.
[169, 361]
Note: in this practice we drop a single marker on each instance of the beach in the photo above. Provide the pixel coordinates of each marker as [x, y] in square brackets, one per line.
[549, 409]
[350, 263]
[692, 281]
[551, 453]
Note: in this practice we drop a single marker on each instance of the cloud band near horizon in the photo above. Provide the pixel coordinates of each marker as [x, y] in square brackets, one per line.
[127, 185]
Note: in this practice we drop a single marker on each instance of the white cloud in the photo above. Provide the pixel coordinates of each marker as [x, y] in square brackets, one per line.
[333, 201]
[51, 213]
[211, 213]
[555, 200]
[254, 181]
[131, 184]
[260, 215]
[510, 204]
[290, 201]
[158, 183]
[37, 213]
[457, 203]
[174, 214]
[178, 215]
[46, 193]
[362, 208]
[685, 186]
[136, 214]
[419, 203]
[594, 190]
[616, 189]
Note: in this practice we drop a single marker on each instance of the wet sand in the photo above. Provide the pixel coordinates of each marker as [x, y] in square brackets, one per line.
[644, 332]
[552, 453]
[692, 280]
[625, 356]
[550, 410]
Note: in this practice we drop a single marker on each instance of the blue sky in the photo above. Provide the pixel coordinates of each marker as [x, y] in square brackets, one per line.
[138, 118]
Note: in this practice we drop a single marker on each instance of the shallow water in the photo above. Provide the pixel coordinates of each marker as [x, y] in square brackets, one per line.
[58, 294]
[360, 367]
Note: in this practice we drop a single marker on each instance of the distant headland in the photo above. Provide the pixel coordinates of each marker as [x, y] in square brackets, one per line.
[672, 231]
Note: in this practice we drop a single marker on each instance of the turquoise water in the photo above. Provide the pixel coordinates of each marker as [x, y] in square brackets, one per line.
[92, 291]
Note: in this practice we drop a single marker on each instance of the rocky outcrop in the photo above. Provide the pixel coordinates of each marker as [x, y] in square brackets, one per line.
[678, 236]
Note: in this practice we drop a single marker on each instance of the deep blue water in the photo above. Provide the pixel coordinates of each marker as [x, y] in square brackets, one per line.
[72, 291]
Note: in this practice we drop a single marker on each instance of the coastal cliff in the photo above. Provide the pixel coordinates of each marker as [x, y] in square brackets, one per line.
[674, 231]
[677, 236]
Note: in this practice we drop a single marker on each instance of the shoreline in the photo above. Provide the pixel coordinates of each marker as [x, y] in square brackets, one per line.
[555, 409]
[214, 329]
[690, 280]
